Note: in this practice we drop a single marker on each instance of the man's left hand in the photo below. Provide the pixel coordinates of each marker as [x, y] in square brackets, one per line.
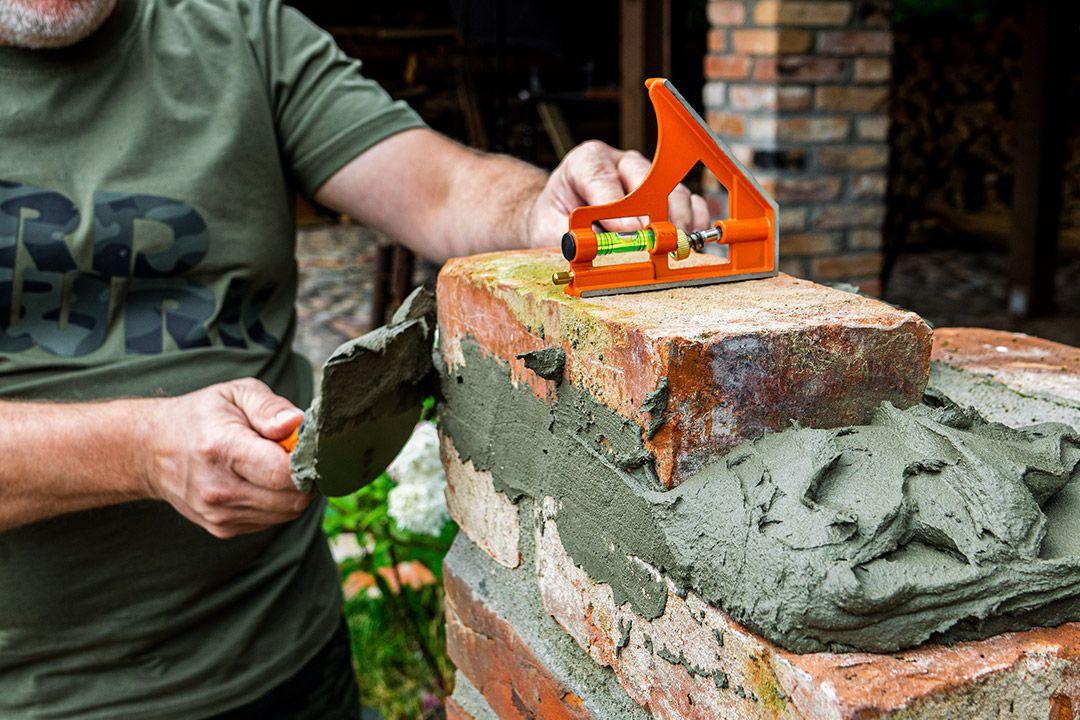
[595, 173]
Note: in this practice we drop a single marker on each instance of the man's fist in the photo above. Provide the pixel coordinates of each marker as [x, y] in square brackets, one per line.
[594, 173]
[214, 456]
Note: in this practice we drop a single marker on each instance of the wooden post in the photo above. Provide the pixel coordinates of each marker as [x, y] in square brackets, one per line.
[1039, 152]
[645, 51]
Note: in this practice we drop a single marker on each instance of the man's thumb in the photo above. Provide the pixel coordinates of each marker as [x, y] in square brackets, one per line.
[272, 416]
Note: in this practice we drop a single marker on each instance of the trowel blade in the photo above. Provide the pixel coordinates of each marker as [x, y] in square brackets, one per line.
[372, 393]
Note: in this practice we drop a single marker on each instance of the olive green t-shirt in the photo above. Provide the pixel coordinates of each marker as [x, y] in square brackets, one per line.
[147, 248]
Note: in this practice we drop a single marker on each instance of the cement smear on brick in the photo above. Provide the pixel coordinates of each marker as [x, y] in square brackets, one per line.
[924, 524]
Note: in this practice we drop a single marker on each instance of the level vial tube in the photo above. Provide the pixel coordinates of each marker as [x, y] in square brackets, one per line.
[608, 243]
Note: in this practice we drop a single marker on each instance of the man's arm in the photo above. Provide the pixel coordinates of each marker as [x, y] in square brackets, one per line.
[211, 454]
[444, 200]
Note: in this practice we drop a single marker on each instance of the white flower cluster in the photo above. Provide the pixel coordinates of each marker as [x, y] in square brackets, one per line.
[417, 503]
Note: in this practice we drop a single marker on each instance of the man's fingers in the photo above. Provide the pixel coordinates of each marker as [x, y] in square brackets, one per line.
[260, 462]
[680, 211]
[700, 210]
[272, 416]
[594, 175]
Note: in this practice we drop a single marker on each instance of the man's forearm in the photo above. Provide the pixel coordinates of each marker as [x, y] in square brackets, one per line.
[60, 458]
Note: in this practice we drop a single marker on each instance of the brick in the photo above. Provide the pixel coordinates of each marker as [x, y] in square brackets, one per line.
[853, 157]
[717, 40]
[490, 653]
[793, 218]
[454, 711]
[854, 42]
[738, 674]
[807, 189]
[487, 517]
[714, 94]
[761, 41]
[801, 244]
[726, 124]
[782, 159]
[872, 69]
[799, 68]
[726, 67]
[870, 287]
[865, 240]
[770, 97]
[620, 347]
[793, 266]
[851, 98]
[724, 13]
[813, 129]
[813, 14]
[841, 267]
[836, 217]
[869, 185]
[875, 127]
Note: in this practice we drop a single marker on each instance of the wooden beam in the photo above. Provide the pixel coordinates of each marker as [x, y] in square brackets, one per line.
[1039, 158]
[645, 51]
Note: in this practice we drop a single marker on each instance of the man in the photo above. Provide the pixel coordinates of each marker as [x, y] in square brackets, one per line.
[155, 559]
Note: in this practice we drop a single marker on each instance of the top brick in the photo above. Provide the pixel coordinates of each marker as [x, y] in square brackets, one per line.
[816, 14]
[738, 359]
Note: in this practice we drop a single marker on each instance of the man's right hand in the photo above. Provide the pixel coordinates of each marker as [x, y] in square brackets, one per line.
[214, 456]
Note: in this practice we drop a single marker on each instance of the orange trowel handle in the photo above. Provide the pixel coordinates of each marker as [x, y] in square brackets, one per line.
[289, 443]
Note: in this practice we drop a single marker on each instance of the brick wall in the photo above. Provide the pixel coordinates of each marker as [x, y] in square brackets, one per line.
[799, 89]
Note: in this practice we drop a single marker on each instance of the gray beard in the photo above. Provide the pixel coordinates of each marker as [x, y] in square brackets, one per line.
[23, 24]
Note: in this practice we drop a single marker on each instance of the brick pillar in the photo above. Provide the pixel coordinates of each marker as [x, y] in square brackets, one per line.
[799, 88]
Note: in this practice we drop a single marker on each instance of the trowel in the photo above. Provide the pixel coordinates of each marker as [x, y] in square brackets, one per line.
[370, 399]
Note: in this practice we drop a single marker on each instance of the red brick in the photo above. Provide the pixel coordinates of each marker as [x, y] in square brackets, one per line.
[792, 12]
[834, 217]
[865, 240]
[793, 266]
[779, 159]
[868, 286]
[853, 157]
[854, 42]
[872, 69]
[620, 347]
[726, 124]
[869, 185]
[793, 218]
[842, 267]
[875, 127]
[809, 244]
[798, 68]
[725, 13]
[807, 189]
[454, 711]
[717, 40]
[813, 129]
[483, 646]
[770, 97]
[853, 98]
[761, 41]
[726, 67]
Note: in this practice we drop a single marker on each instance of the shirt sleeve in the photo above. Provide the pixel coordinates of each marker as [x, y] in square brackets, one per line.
[325, 111]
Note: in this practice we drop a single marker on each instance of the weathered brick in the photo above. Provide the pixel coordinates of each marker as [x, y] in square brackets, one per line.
[801, 69]
[726, 67]
[621, 347]
[801, 244]
[790, 12]
[723, 13]
[770, 97]
[736, 673]
[717, 40]
[834, 217]
[714, 94]
[854, 42]
[807, 189]
[872, 69]
[839, 267]
[488, 650]
[865, 240]
[769, 41]
[487, 517]
[875, 127]
[853, 157]
[813, 129]
[869, 185]
[793, 217]
[726, 124]
[853, 98]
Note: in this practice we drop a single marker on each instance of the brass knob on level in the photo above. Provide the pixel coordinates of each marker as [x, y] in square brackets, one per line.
[682, 247]
[562, 278]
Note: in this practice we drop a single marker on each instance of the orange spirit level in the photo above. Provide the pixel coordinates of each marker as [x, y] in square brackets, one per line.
[750, 232]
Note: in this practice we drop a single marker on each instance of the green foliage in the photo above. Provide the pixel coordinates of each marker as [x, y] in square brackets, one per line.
[398, 639]
[908, 11]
